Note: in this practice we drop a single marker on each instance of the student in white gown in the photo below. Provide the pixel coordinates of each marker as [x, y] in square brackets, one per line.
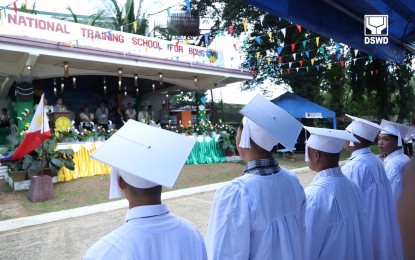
[390, 144]
[150, 231]
[336, 220]
[367, 171]
[259, 215]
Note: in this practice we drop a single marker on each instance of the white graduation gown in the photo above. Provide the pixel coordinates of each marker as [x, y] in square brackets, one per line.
[336, 222]
[258, 217]
[367, 171]
[150, 232]
[394, 164]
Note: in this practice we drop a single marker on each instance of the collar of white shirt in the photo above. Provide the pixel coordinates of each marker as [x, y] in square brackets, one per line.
[359, 152]
[393, 154]
[146, 211]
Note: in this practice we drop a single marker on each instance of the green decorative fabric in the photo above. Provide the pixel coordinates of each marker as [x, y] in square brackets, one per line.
[4, 132]
[205, 151]
[201, 107]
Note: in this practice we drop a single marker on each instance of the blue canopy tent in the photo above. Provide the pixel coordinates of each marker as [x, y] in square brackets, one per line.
[343, 21]
[300, 107]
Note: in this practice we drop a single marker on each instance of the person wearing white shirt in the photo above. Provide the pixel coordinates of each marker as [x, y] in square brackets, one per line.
[130, 112]
[150, 231]
[259, 215]
[367, 171]
[336, 221]
[143, 115]
[390, 144]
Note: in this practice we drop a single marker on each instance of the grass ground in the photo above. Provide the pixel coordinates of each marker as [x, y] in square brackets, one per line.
[94, 190]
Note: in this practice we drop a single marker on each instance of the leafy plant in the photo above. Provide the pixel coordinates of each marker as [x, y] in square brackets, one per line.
[55, 159]
[227, 142]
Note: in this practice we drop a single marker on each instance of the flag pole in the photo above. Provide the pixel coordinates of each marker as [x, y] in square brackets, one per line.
[42, 161]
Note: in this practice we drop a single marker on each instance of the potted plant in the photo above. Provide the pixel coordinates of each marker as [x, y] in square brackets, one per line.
[227, 143]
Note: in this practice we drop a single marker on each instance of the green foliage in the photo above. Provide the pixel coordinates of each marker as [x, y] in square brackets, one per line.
[54, 158]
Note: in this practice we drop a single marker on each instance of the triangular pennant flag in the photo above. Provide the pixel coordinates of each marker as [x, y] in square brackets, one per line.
[15, 7]
[249, 56]
[307, 53]
[279, 50]
[329, 66]
[245, 24]
[370, 58]
[289, 64]
[283, 31]
[339, 56]
[376, 71]
[269, 61]
[318, 41]
[364, 73]
[371, 72]
[318, 67]
[258, 54]
[186, 42]
[270, 36]
[188, 5]
[297, 69]
[298, 27]
[326, 58]
[231, 30]
[292, 47]
[70, 44]
[168, 12]
[234, 46]
[288, 70]
[218, 33]
[258, 39]
[354, 61]
[206, 38]
[280, 59]
[321, 49]
[356, 52]
[301, 63]
[306, 68]
[337, 46]
[244, 43]
[280, 71]
[304, 43]
[135, 24]
[294, 56]
[312, 61]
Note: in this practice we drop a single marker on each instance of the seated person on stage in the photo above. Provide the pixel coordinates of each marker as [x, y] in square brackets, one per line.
[130, 112]
[4, 118]
[336, 222]
[87, 119]
[260, 215]
[150, 230]
[58, 107]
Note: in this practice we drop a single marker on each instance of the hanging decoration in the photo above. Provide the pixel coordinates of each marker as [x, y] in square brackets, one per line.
[66, 69]
[299, 28]
[62, 85]
[196, 83]
[137, 91]
[136, 80]
[105, 86]
[154, 87]
[55, 91]
[231, 30]
[74, 82]
[119, 78]
[160, 78]
[245, 24]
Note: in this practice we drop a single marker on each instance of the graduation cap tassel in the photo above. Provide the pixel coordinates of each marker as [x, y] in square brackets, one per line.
[399, 138]
[351, 142]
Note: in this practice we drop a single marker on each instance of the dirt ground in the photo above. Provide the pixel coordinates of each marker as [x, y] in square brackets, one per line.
[93, 190]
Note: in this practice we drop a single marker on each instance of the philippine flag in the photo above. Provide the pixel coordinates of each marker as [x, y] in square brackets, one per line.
[33, 137]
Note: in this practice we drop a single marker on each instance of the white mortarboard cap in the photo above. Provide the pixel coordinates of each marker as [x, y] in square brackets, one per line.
[363, 128]
[268, 125]
[396, 129]
[327, 140]
[144, 156]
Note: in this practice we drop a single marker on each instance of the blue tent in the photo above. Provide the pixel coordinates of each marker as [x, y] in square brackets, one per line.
[300, 107]
[343, 21]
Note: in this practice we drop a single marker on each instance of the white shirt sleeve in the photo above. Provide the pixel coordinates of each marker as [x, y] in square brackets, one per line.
[228, 235]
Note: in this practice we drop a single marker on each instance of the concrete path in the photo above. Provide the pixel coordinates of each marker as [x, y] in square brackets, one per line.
[72, 232]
